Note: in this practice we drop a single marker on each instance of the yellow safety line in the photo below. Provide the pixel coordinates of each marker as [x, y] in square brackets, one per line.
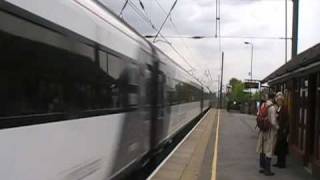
[215, 155]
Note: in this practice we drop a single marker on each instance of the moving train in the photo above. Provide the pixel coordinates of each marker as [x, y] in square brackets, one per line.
[82, 94]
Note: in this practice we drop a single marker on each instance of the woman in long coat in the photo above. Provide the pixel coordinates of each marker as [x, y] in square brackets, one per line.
[281, 149]
[267, 139]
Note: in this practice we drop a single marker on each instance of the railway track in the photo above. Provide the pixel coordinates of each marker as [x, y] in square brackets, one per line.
[149, 168]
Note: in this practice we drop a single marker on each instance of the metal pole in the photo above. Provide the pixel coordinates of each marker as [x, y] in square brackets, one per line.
[216, 35]
[218, 92]
[251, 60]
[221, 80]
[286, 31]
[295, 22]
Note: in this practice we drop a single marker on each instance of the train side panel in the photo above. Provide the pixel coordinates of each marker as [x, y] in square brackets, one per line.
[93, 23]
[182, 114]
[62, 98]
[181, 99]
[83, 148]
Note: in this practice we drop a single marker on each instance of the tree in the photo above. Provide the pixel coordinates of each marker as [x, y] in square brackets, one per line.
[237, 91]
[234, 81]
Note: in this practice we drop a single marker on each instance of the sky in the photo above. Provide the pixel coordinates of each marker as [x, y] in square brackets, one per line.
[240, 19]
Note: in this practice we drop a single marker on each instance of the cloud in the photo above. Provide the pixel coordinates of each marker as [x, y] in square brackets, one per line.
[239, 18]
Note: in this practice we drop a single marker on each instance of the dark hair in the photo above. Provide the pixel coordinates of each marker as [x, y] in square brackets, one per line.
[271, 96]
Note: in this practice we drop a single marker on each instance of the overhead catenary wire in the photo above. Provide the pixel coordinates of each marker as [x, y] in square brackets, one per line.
[227, 37]
[147, 20]
[141, 14]
[123, 8]
[170, 11]
[176, 29]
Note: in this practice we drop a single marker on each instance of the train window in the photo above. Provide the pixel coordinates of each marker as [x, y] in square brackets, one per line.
[179, 92]
[44, 79]
[133, 83]
[115, 66]
[171, 92]
[103, 61]
[39, 78]
[128, 84]
[148, 86]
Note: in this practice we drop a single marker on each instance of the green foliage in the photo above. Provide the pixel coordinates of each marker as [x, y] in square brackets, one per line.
[237, 91]
[256, 96]
[234, 81]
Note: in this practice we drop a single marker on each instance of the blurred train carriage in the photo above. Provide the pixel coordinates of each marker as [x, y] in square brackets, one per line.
[86, 98]
[299, 80]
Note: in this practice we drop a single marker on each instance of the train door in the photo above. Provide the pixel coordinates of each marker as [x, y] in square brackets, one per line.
[158, 107]
[133, 142]
[202, 99]
[147, 102]
[161, 95]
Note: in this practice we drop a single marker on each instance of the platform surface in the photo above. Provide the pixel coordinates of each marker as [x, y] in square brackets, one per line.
[187, 161]
[236, 157]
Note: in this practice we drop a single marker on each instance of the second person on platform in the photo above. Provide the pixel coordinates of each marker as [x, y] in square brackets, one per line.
[281, 149]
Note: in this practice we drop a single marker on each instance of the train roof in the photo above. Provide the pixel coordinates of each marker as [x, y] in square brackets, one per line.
[150, 44]
[98, 24]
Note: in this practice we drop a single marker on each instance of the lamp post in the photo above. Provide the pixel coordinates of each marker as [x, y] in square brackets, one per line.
[249, 43]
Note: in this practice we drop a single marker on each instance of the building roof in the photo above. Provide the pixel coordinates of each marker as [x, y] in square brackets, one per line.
[303, 60]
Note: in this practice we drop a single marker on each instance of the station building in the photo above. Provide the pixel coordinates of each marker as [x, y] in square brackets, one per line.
[299, 80]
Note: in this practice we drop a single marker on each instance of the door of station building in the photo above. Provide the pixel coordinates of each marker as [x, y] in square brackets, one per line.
[317, 123]
[312, 92]
[299, 130]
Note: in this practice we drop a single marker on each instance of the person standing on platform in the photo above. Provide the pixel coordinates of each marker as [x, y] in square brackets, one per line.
[267, 123]
[281, 149]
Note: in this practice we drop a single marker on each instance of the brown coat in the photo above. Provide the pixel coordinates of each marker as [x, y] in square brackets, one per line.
[283, 132]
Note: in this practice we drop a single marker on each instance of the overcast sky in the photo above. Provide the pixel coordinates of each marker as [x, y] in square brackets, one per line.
[239, 18]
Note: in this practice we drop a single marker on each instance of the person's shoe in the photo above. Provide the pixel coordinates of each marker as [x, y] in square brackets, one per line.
[267, 170]
[281, 166]
[269, 173]
[261, 171]
[276, 165]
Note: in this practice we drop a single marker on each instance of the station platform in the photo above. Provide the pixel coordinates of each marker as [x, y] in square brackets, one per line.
[190, 156]
[221, 147]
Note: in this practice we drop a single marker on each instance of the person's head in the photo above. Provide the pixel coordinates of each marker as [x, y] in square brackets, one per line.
[279, 98]
[264, 97]
[270, 96]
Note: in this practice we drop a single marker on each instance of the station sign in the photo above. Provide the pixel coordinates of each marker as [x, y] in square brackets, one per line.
[251, 85]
